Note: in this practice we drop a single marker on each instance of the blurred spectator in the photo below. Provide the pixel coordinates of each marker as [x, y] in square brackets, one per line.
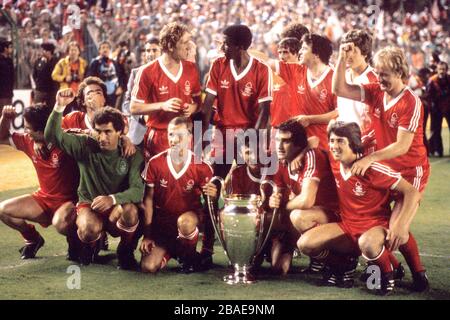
[70, 70]
[110, 72]
[45, 88]
[438, 92]
[6, 73]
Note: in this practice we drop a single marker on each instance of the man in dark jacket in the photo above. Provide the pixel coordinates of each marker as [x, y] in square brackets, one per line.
[6, 73]
[46, 88]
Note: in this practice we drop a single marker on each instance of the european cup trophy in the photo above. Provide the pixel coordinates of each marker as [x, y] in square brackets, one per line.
[240, 227]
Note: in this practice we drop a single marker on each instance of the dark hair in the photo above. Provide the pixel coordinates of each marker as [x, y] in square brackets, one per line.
[298, 133]
[47, 46]
[107, 115]
[362, 40]
[443, 63]
[104, 42]
[294, 30]
[4, 44]
[239, 35]
[87, 81]
[349, 130]
[153, 40]
[74, 44]
[291, 43]
[320, 46]
[170, 34]
[182, 120]
[37, 116]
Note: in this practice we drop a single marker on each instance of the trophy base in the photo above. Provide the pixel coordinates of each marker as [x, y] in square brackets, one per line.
[240, 278]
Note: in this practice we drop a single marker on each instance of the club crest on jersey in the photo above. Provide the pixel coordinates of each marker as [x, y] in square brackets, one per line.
[301, 89]
[187, 88]
[248, 90]
[122, 167]
[163, 90]
[224, 84]
[55, 161]
[323, 95]
[189, 186]
[393, 121]
[358, 190]
[163, 183]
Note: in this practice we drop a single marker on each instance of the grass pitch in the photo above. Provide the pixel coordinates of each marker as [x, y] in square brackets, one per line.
[46, 277]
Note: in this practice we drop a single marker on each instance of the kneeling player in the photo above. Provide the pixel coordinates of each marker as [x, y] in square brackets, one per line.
[110, 184]
[365, 210]
[53, 202]
[174, 179]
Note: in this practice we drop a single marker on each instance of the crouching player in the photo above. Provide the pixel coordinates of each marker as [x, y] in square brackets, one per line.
[53, 202]
[174, 181]
[365, 210]
[110, 184]
[308, 194]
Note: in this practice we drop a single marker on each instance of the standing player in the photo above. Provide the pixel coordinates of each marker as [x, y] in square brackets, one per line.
[365, 212]
[308, 195]
[110, 184]
[399, 136]
[58, 177]
[166, 88]
[242, 86]
[310, 80]
[359, 72]
[172, 202]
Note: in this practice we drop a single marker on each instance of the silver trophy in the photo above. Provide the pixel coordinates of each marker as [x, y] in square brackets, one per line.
[240, 228]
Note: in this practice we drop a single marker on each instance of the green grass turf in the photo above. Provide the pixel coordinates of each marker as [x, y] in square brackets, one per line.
[46, 276]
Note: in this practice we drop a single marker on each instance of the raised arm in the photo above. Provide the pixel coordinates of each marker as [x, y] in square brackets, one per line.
[340, 87]
[7, 116]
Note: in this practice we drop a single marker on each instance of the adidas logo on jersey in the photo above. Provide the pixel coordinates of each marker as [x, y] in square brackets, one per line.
[163, 90]
[224, 84]
[163, 183]
[301, 89]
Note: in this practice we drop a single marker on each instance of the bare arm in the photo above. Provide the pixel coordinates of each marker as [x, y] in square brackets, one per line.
[148, 214]
[263, 118]
[307, 198]
[396, 149]
[171, 105]
[325, 118]
[207, 110]
[340, 87]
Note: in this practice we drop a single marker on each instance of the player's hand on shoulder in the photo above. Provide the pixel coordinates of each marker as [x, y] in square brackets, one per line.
[128, 148]
[9, 112]
[360, 167]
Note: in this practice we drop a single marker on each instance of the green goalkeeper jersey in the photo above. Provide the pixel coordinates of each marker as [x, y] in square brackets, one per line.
[102, 172]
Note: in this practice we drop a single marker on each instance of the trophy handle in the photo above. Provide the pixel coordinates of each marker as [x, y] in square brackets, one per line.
[214, 215]
[261, 242]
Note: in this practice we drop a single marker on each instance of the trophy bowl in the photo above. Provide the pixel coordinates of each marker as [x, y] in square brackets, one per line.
[240, 229]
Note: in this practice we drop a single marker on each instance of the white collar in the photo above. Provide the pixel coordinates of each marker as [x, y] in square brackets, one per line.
[314, 84]
[255, 179]
[243, 73]
[168, 73]
[87, 122]
[174, 173]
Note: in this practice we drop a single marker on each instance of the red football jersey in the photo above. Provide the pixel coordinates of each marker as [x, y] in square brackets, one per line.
[154, 83]
[176, 193]
[402, 113]
[58, 175]
[239, 95]
[243, 182]
[315, 165]
[76, 120]
[282, 103]
[313, 97]
[364, 200]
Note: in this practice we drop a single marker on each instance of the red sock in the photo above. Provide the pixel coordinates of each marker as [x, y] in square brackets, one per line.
[411, 253]
[30, 235]
[394, 261]
[383, 261]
